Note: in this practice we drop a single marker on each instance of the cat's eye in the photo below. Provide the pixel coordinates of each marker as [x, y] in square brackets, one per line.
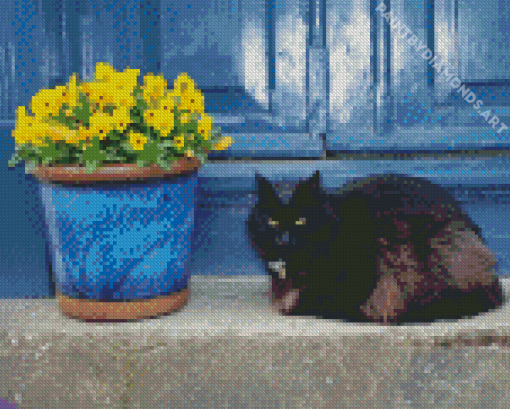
[301, 221]
[272, 222]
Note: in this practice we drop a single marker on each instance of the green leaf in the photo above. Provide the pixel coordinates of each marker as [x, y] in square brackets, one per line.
[14, 161]
[149, 153]
[167, 143]
[93, 154]
[111, 155]
[29, 167]
[52, 152]
[165, 164]
[91, 166]
[165, 161]
[201, 156]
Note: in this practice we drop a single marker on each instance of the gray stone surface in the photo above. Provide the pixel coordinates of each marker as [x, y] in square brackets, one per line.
[228, 348]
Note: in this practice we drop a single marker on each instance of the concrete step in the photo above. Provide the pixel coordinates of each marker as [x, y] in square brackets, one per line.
[228, 348]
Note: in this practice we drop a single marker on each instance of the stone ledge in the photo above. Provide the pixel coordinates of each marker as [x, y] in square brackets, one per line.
[227, 346]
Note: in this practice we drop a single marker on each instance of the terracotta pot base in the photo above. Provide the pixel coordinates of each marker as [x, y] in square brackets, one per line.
[93, 310]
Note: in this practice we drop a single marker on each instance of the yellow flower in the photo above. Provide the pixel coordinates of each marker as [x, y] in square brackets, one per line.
[125, 83]
[184, 118]
[100, 125]
[72, 93]
[111, 87]
[137, 140]
[99, 92]
[174, 96]
[223, 143]
[128, 78]
[102, 122]
[154, 87]
[192, 102]
[111, 98]
[121, 118]
[191, 99]
[29, 129]
[205, 126]
[63, 133]
[123, 97]
[179, 141]
[162, 118]
[183, 83]
[111, 93]
[47, 101]
[72, 136]
[104, 71]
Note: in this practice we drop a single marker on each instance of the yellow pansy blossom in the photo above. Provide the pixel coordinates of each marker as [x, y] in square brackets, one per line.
[191, 99]
[123, 97]
[121, 118]
[183, 83]
[137, 140]
[154, 87]
[125, 83]
[129, 77]
[100, 92]
[100, 125]
[161, 118]
[29, 129]
[184, 118]
[179, 141]
[104, 71]
[205, 126]
[111, 87]
[223, 143]
[192, 102]
[174, 95]
[72, 93]
[63, 133]
[111, 93]
[47, 101]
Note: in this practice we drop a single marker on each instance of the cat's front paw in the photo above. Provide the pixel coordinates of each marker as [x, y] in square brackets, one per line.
[286, 304]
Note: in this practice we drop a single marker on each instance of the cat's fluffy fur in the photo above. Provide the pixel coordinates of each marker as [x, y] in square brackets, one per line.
[390, 249]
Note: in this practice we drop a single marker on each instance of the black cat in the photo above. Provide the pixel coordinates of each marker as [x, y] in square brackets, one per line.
[389, 248]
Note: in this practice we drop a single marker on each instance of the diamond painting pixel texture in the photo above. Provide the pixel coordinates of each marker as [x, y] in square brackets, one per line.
[116, 237]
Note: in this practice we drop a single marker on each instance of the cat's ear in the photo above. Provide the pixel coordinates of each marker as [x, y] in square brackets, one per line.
[315, 180]
[266, 192]
[307, 191]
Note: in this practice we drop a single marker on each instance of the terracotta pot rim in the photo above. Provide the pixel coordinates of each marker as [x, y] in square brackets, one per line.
[113, 172]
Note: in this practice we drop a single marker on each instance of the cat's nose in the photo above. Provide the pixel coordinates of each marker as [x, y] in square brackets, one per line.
[285, 238]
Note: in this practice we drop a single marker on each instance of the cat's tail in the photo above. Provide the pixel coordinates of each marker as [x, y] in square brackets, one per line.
[456, 304]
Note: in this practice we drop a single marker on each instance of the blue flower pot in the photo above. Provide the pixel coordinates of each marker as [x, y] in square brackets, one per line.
[120, 241]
